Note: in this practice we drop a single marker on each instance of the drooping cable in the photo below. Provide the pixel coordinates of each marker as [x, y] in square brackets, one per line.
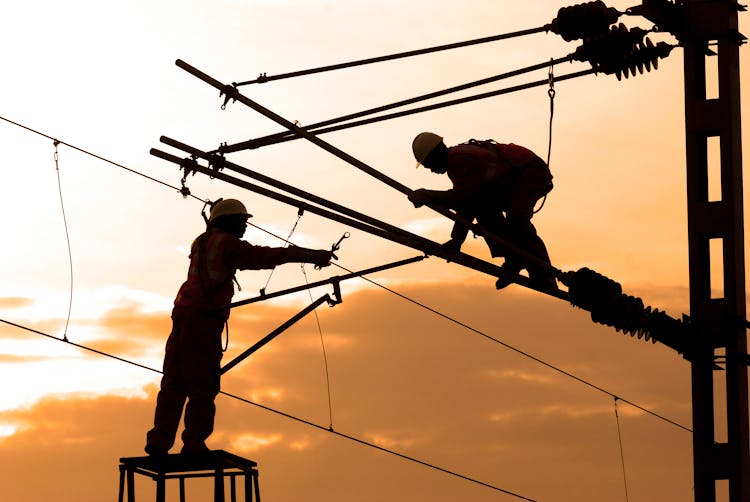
[325, 355]
[287, 242]
[551, 94]
[67, 240]
[300, 212]
[622, 455]
[284, 414]
[262, 78]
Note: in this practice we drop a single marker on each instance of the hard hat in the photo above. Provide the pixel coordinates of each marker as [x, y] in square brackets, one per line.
[423, 144]
[226, 207]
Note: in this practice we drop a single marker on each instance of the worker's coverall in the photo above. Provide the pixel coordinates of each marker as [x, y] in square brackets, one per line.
[491, 178]
[193, 350]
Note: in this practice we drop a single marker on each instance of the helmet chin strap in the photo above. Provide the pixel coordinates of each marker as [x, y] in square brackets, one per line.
[210, 205]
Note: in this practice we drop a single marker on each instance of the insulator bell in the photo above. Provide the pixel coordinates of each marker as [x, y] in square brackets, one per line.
[583, 20]
[608, 305]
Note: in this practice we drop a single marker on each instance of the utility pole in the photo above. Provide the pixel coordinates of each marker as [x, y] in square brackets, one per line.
[708, 30]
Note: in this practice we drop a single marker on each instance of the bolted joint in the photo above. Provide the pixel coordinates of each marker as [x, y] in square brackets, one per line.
[666, 15]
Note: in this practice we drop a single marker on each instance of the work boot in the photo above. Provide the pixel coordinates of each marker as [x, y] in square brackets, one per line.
[195, 449]
[153, 451]
[543, 281]
[507, 277]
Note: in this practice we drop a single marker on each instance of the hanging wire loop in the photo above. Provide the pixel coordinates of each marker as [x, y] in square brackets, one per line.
[56, 142]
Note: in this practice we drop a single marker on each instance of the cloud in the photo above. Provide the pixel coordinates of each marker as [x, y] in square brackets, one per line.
[403, 378]
[127, 331]
[9, 303]
[21, 359]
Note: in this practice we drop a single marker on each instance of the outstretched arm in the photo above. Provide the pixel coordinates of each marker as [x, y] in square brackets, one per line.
[318, 257]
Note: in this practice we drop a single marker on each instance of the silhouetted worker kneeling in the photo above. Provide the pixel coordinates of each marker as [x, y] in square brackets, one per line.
[498, 185]
[201, 310]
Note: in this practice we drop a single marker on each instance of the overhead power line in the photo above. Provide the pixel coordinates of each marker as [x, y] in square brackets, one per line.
[576, 21]
[99, 157]
[287, 415]
[265, 78]
[317, 127]
[460, 323]
[528, 355]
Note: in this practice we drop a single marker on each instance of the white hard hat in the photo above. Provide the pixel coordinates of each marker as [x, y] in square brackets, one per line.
[227, 207]
[423, 144]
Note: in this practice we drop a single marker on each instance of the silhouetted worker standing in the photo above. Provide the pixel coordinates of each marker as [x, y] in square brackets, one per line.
[201, 309]
[499, 186]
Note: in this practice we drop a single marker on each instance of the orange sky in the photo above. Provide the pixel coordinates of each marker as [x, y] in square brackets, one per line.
[104, 79]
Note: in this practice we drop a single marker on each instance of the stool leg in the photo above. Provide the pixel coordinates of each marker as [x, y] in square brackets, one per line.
[219, 485]
[257, 486]
[160, 489]
[182, 489]
[122, 483]
[131, 486]
[248, 486]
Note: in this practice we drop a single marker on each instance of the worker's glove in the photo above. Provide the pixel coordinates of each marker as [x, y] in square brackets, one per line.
[322, 258]
[419, 197]
[452, 245]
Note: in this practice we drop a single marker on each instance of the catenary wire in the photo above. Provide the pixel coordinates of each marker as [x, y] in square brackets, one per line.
[133, 171]
[523, 353]
[436, 312]
[281, 413]
[264, 78]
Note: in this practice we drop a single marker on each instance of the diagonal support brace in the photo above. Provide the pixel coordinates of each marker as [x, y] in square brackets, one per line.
[273, 334]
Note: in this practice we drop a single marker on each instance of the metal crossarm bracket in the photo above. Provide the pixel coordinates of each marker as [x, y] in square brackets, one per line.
[273, 334]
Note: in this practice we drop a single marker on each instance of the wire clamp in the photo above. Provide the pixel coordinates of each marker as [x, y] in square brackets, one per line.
[217, 162]
[188, 167]
[551, 80]
[229, 92]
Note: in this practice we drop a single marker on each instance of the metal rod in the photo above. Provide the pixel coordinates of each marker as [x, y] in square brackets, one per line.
[413, 241]
[194, 166]
[232, 93]
[219, 162]
[273, 334]
[330, 280]
[437, 106]
[305, 195]
[287, 136]
[264, 78]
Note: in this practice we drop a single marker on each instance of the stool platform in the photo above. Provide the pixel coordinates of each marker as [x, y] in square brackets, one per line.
[215, 463]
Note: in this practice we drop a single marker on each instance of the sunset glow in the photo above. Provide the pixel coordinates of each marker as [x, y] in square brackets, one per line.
[512, 388]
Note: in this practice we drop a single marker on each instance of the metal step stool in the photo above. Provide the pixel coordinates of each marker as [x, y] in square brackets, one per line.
[218, 464]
